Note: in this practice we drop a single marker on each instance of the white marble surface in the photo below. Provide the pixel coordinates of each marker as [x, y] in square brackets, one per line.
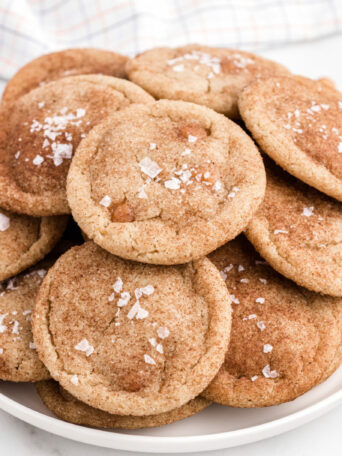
[322, 436]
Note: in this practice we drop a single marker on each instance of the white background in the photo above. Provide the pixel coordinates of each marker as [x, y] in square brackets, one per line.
[320, 437]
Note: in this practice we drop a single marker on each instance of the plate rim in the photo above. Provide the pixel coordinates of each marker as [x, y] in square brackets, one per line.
[172, 444]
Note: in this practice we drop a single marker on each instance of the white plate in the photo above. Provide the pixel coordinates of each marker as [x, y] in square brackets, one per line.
[215, 428]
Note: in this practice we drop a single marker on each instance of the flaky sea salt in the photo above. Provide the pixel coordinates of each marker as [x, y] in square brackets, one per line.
[217, 186]
[11, 284]
[261, 325]
[268, 348]
[117, 287]
[268, 373]
[163, 332]
[74, 380]
[260, 300]
[280, 232]
[2, 327]
[152, 341]
[234, 299]
[148, 290]
[149, 167]
[173, 183]
[232, 193]
[32, 345]
[85, 347]
[41, 272]
[149, 360]
[106, 200]
[4, 222]
[254, 378]
[142, 194]
[250, 317]
[15, 329]
[308, 211]
[192, 139]
[60, 152]
[124, 299]
[38, 160]
[228, 268]
[137, 312]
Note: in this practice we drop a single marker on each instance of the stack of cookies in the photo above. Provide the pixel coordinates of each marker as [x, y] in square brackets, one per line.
[163, 161]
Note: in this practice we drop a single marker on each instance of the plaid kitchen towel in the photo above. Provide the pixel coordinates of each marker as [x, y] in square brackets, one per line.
[29, 28]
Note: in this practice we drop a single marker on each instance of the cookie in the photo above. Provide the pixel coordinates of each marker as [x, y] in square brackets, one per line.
[205, 75]
[57, 65]
[68, 408]
[298, 123]
[284, 339]
[165, 183]
[40, 132]
[129, 338]
[298, 230]
[19, 361]
[26, 240]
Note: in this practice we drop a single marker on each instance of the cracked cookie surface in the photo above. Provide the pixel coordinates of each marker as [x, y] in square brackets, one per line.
[284, 338]
[70, 409]
[129, 338]
[298, 230]
[40, 132]
[165, 183]
[25, 240]
[57, 65]
[205, 75]
[298, 123]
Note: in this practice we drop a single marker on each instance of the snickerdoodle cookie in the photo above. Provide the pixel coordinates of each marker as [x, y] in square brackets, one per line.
[298, 123]
[165, 183]
[25, 240]
[68, 408]
[284, 339]
[298, 230]
[129, 338]
[19, 361]
[39, 133]
[209, 76]
[57, 65]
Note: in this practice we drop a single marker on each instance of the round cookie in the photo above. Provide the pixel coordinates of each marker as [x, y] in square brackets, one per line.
[61, 64]
[25, 240]
[284, 339]
[19, 361]
[40, 132]
[129, 338]
[298, 123]
[68, 408]
[298, 230]
[205, 75]
[165, 183]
